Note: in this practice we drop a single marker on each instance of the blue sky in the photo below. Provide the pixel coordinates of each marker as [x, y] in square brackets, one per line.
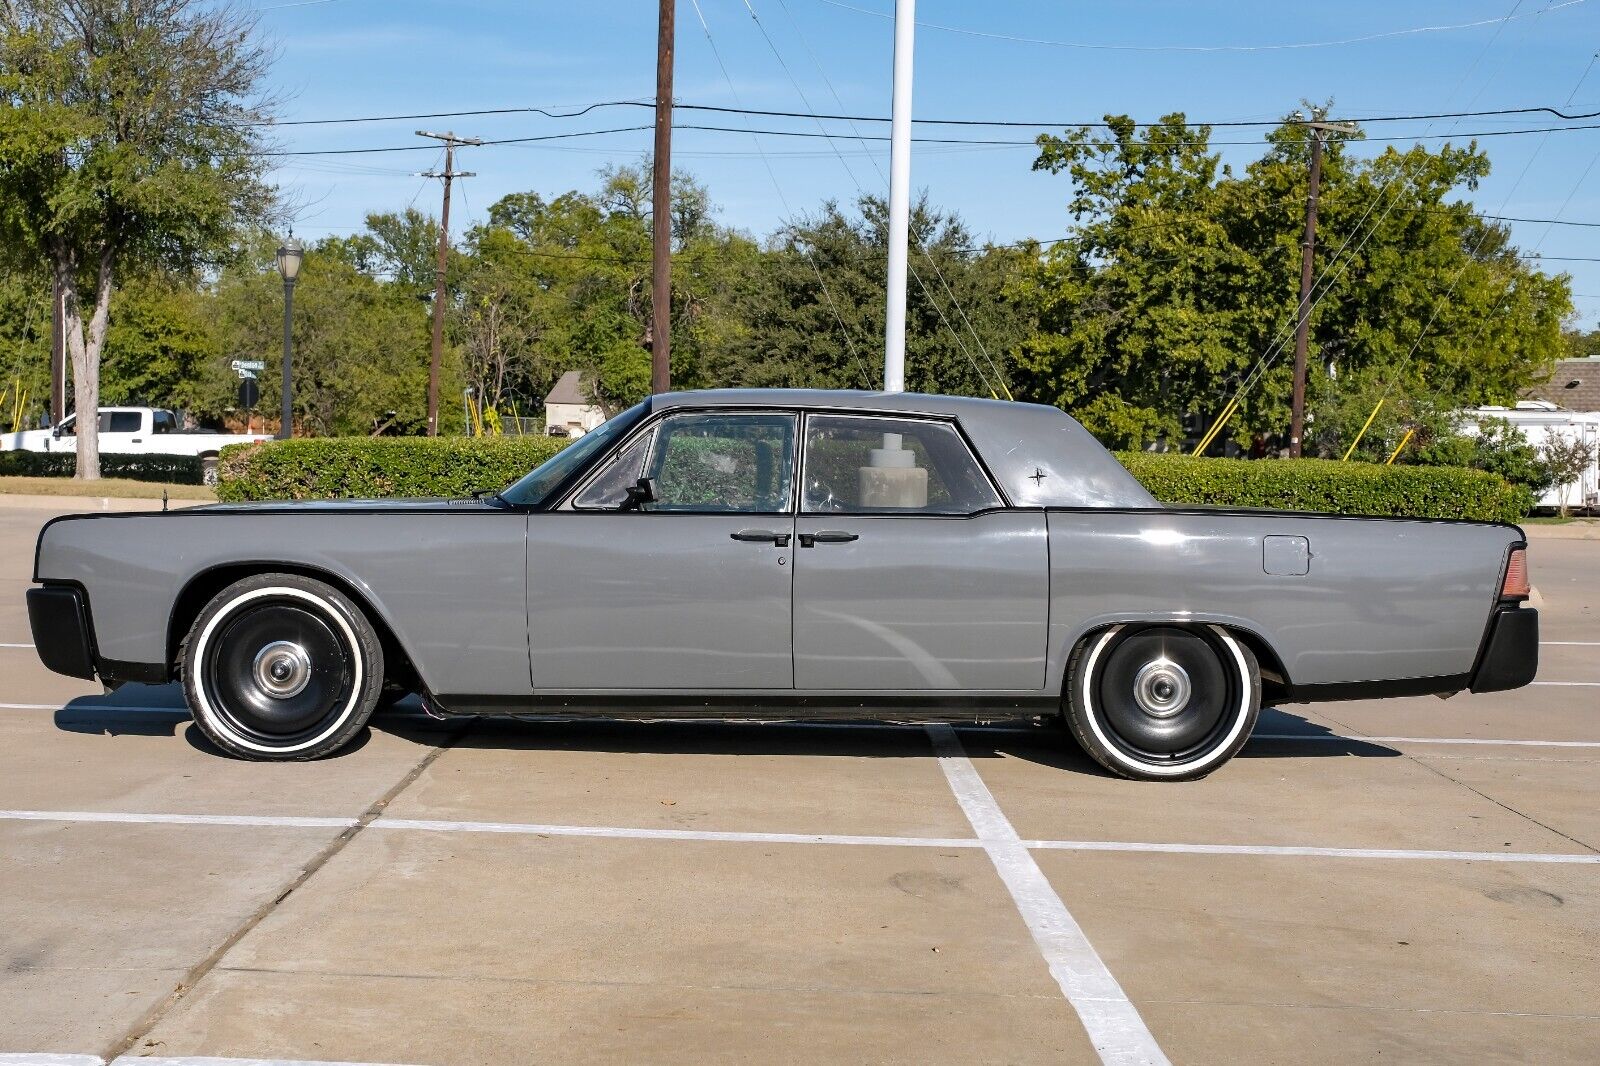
[340, 58]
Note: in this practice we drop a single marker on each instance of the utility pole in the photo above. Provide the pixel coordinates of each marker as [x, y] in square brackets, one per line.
[894, 331]
[58, 354]
[449, 174]
[661, 209]
[1297, 411]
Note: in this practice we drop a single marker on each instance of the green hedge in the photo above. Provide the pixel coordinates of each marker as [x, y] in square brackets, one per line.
[344, 467]
[171, 469]
[1328, 486]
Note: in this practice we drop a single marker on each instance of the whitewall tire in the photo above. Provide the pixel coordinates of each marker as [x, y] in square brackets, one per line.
[1162, 702]
[280, 666]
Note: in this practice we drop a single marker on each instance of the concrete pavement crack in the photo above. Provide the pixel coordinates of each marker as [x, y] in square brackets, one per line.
[197, 973]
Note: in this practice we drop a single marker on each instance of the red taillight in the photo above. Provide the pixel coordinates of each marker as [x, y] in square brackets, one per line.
[1515, 586]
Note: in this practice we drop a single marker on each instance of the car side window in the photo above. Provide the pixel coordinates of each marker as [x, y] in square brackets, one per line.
[609, 490]
[163, 422]
[708, 462]
[120, 422]
[859, 464]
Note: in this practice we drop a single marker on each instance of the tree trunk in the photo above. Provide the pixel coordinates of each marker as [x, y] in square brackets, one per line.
[85, 345]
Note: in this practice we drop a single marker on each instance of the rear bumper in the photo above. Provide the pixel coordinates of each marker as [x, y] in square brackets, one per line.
[1510, 655]
[62, 634]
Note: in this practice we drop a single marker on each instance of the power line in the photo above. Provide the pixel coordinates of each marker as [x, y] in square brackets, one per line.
[990, 142]
[1363, 39]
[1100, 123]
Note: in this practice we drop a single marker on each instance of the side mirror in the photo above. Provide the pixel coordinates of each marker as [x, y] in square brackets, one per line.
[639, 493]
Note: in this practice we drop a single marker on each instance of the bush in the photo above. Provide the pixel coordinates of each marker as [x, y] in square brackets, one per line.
[335, 468]
[345, 467]
[1329, 486]
[171, 469]
[1497, 447]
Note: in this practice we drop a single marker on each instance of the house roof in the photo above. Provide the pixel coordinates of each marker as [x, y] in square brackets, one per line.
[570, 390]
[1584, 396]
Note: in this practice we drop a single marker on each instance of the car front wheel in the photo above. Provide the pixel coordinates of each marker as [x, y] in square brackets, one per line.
[1162, 703]
[280, 666]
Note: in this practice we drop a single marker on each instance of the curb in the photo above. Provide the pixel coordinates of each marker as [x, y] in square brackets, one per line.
[1570, 531]
[78, 504]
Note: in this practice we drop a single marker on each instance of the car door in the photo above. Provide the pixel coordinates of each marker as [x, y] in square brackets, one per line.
[123, 432]
[688, 590]
[910, 573]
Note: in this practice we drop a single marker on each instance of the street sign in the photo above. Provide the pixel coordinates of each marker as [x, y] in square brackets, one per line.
[249, 393]
[247, 368]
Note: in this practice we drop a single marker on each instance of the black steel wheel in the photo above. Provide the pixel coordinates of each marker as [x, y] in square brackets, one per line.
[280, 666]
[1162, 703]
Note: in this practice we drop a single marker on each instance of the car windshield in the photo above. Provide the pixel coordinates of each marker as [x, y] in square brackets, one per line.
[536, 488]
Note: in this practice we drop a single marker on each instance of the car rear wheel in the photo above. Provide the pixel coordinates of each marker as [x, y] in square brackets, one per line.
[280, 666]
[1162, 703]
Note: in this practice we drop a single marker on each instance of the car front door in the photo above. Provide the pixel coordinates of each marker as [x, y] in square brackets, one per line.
[910, 574]
[687, 590]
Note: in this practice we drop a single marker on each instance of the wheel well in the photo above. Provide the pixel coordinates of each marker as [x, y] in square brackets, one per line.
[398, 668]
[1274, 681]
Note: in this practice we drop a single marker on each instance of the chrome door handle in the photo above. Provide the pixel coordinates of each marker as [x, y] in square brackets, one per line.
[762, 536]
[827, 536]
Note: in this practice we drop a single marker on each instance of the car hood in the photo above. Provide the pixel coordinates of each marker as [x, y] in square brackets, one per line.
[398, 506]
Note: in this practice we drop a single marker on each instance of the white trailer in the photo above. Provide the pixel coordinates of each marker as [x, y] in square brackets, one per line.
[1537, 421]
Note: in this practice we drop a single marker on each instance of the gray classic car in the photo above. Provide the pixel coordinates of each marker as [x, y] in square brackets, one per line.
[789, 554]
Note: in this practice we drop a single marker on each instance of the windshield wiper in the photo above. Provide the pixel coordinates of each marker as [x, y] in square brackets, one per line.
[493, 494]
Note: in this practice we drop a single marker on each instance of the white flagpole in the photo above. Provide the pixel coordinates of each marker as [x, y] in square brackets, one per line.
[894, 353]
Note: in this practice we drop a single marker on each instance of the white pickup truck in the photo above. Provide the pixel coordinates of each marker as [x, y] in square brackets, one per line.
[133, 431]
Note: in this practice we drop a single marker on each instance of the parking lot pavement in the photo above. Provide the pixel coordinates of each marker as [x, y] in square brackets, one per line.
[1339, 960]
[735, 777]
[1412, 879]
[686, 951]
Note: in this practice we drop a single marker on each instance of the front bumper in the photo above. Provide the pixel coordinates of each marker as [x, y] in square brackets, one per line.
[62, 634]
[1510, 655]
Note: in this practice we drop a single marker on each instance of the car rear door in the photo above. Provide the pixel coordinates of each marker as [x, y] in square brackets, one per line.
[692, 590]
[910, 573]
[124, 432]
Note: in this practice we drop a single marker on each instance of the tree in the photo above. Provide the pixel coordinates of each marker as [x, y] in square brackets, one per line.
[1180, 288]
[1567, 457]
[129, 140]
[359, 343]
[812, 315]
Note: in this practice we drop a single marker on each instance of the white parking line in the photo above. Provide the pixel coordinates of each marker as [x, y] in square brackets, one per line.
[203, 1060]
[117, 708]
[1304, 852]
[418, 825]
[1569, 643]
[1335, 737]
[24, 1058]
[1568, 684]
[1114, 1026]
[261, 821]
[14, 646]
[621, 833]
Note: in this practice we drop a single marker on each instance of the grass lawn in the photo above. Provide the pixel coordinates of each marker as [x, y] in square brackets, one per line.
[106, 486]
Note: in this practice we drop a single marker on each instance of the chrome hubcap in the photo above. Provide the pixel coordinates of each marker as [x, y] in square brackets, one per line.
[282, 669]
[1162, 688]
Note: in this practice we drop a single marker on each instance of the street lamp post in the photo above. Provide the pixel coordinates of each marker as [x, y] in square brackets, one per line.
[290, 253]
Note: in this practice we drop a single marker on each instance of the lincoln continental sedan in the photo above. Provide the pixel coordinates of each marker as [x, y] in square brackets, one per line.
[795, 555]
